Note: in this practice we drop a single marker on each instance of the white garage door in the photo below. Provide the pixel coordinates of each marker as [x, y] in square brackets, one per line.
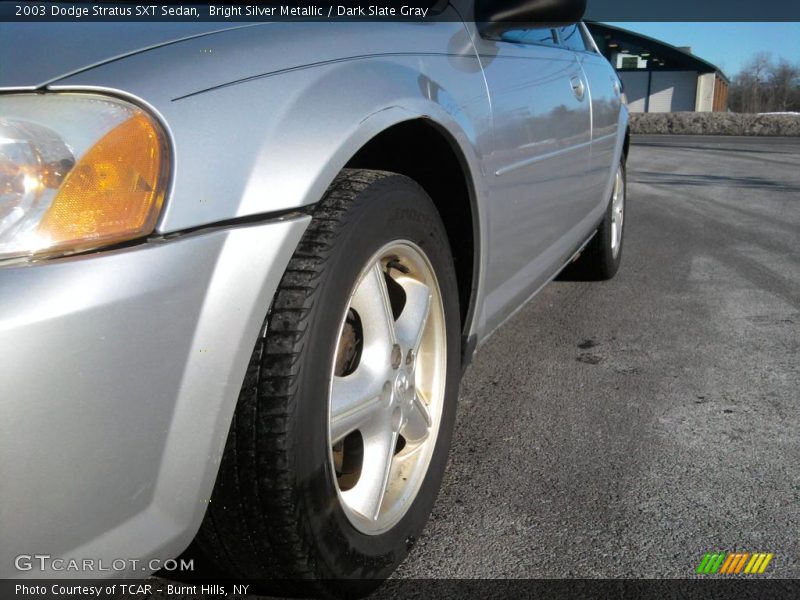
[635, 83]
[673, 91]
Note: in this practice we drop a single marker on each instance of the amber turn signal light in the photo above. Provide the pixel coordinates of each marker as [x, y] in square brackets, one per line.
[114, 192]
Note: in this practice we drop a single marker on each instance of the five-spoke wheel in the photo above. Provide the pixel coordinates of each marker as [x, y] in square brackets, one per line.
[387, 386]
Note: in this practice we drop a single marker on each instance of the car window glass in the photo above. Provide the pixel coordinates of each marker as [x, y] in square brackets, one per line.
[572, 37]
[530, 35]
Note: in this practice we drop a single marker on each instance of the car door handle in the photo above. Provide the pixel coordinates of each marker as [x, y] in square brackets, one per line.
[578, 88]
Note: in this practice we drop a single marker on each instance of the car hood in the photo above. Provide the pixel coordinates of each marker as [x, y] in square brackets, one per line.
[34, 54]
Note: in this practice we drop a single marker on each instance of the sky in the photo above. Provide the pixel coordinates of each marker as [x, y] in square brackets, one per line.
[727, 45]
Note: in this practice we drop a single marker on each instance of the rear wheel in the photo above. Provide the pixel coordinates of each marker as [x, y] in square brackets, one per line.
[342, 428]
[601, 258]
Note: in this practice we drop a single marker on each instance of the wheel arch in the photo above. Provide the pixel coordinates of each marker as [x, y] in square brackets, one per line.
[426, 152]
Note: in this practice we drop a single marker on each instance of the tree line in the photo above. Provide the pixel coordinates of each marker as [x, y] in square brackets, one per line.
[766, 85]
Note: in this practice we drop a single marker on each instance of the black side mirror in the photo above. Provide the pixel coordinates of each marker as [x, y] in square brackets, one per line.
[496, 16]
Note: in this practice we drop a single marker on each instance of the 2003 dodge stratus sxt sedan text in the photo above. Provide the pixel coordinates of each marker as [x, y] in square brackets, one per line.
[243, 267]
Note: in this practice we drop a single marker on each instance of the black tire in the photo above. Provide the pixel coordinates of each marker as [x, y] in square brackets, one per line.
[598, 262]
[274, 513]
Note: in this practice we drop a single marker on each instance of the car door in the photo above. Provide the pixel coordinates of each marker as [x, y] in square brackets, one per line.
[606, 99]
[537, 171]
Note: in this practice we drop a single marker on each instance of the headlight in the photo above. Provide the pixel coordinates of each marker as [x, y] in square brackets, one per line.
[77, 171]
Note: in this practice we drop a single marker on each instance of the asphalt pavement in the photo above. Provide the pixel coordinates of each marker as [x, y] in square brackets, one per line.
[626, 428]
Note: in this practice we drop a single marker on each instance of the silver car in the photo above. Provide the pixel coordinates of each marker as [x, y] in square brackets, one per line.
[242, 268]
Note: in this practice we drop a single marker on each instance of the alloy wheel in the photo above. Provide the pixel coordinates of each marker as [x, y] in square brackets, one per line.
[387, 387]
[617, 212]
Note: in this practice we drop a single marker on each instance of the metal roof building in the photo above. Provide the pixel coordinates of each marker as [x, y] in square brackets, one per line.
[659, 77]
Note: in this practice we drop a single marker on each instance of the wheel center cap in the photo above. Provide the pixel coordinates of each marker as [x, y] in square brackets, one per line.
[403, 389]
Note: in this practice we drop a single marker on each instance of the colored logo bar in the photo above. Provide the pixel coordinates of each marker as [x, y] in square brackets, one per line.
[734, 563]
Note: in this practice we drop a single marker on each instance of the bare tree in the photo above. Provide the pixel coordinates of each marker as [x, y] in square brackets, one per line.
[785, 84]
[764, 85]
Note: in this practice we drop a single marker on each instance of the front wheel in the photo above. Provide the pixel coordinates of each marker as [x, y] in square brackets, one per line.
[341, 432]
